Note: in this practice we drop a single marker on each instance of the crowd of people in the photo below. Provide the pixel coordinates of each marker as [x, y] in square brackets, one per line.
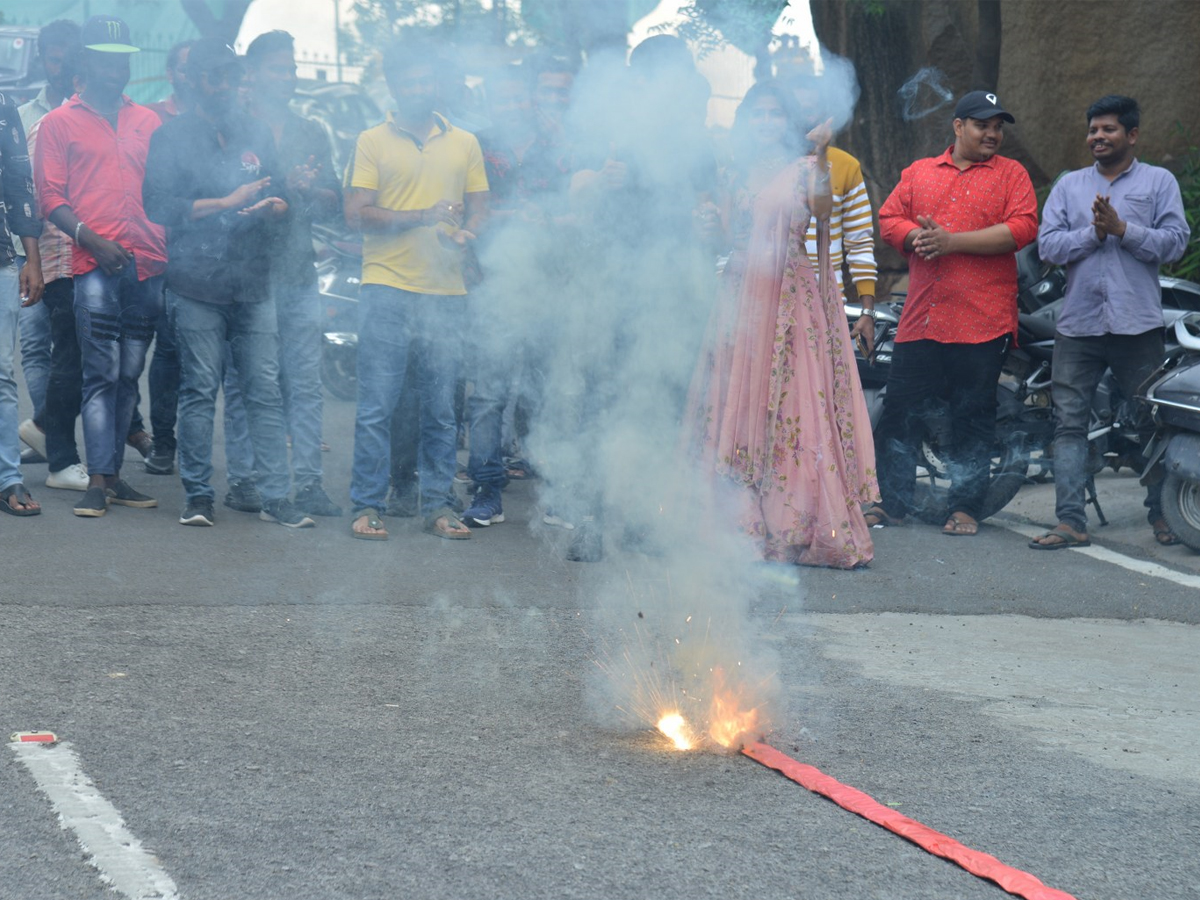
[557, 251]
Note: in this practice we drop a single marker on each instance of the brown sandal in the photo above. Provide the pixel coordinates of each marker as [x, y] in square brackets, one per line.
[378, 530]
[960, 525]
[878, 516]
[445, 523]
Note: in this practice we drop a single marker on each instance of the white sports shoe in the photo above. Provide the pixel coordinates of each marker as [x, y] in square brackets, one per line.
[73, 478]
[33, 436]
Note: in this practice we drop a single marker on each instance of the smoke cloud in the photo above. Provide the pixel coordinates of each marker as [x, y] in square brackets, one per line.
[924, 94]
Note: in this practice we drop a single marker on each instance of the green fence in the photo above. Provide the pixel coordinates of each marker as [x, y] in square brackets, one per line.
[154, 25]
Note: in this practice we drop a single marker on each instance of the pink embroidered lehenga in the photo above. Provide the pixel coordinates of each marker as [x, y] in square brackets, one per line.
[776, 407]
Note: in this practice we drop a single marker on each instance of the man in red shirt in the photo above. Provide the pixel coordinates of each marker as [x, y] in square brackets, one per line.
[89, 166]
[959, 218]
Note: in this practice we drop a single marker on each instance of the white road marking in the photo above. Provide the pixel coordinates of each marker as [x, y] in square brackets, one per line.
[123, 863]
[1141, 566]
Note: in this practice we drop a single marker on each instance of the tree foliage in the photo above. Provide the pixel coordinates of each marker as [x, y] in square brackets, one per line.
[223, 23]
[463, 22]
[746, 24]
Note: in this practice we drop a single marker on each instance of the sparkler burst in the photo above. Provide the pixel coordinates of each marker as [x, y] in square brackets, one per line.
[686, 663]
[675, 727]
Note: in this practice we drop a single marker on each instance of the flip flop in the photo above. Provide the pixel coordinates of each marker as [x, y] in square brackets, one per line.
[878, 516]
[1164, 535]
[449, 530]
[373, 521]
[1064, 540]
[960, 525]
[17, 491]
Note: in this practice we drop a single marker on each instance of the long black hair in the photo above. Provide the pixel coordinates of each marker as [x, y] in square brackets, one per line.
[794, 141]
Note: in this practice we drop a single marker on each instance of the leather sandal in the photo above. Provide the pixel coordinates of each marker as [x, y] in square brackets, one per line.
[378, 532]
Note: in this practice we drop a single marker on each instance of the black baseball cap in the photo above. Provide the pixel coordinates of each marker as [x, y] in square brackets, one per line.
[211, 54]
[981, 105]
[107, 34]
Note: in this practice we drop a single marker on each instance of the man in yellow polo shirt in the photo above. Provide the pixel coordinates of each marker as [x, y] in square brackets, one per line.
[418, 192]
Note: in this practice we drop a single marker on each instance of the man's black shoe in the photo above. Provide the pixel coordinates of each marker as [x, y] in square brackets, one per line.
[313, 500]
[93, 504]
[284, 513]
[587, 544]
[244, 497]
[161, 461]
[198, 512]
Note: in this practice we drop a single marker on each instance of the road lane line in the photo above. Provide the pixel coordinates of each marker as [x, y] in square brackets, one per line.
[124, 864]
[1141, 566]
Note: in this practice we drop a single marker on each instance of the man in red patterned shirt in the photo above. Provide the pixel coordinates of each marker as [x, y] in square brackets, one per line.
[91, 157]
[959, 218]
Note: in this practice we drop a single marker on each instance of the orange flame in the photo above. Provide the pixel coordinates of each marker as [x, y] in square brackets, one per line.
[729, 724]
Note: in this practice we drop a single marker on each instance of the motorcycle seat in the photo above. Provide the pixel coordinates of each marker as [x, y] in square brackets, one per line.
[1037, 328]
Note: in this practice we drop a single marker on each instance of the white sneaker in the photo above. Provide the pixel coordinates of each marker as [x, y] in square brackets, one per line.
[73, 478]
[550, 518]
[33, 436]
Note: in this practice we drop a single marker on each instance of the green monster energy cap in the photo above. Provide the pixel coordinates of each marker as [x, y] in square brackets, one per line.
[107, 34]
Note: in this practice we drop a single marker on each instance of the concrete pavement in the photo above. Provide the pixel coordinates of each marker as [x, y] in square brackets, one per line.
[282, 714]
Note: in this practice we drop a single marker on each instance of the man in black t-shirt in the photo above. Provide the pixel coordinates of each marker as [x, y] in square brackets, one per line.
[213, 179]
[306, 165]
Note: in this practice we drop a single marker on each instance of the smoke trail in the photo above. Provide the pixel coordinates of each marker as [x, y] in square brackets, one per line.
[923, 94]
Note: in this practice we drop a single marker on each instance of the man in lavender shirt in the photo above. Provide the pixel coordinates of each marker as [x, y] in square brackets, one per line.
[1112, 224]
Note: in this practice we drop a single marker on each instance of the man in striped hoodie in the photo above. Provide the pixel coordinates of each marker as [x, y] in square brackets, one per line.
[851, 225]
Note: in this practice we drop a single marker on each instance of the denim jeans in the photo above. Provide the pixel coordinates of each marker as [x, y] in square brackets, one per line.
[35, 354]
[201, 333]
[923, 373]
[10, 315]
[491, 374]
[239, 449]
[164, 381]
[405, 430]
[393, 322]
[1078, 366]
[298, 308]
[115, 317]
[64, 388]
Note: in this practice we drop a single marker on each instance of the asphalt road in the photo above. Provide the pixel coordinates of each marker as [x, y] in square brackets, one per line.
[280, 714]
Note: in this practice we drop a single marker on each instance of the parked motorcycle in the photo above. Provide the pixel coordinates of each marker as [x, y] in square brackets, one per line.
[1025, 418]
[339, 273]
[1174, 451]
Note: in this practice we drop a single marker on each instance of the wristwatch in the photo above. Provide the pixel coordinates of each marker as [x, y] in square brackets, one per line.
[870, 312]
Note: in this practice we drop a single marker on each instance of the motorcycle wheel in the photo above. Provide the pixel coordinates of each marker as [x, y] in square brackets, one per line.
[931, 497]
[1181, 508]
[339, 372]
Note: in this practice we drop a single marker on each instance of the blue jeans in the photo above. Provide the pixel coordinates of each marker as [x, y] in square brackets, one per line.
[35, 355]
[10, 314]
[115, 317]
[1078, 366]
[239, 449]
[393, 323]
[201, 332]
[298, 309]
[492, 376]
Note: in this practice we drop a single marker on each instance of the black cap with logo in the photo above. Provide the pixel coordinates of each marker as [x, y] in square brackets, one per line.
[981, 105]
[107, 34]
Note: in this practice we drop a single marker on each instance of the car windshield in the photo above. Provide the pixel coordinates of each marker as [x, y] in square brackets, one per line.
[14, 55]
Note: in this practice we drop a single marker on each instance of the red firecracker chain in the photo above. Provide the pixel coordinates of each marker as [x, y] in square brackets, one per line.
[1012, 880]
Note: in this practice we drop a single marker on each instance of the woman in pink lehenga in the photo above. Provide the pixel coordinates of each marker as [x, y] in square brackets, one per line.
[776, 408]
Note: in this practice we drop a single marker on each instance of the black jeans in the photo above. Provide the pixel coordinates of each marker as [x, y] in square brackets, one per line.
[64, 390]
[924, 374]
[164, 382]
[1079, 364]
